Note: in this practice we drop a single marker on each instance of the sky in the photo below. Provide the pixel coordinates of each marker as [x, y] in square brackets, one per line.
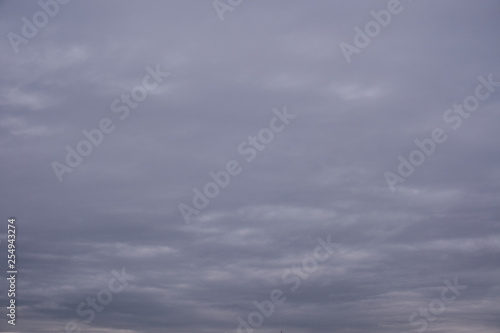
[242, 166]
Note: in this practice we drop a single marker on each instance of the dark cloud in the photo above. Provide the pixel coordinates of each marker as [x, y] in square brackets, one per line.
[322, 175]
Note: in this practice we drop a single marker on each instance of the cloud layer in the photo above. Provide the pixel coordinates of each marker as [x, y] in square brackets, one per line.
[321, 176]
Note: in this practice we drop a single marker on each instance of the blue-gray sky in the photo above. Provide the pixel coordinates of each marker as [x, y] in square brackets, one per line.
[323, 175]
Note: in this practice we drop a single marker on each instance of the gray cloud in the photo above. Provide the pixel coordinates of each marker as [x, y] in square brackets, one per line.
[323, 175]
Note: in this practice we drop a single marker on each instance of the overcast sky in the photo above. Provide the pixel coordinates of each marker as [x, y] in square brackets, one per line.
[313, 119]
